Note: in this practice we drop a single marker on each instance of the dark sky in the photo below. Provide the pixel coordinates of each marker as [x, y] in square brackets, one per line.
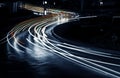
[76, 5]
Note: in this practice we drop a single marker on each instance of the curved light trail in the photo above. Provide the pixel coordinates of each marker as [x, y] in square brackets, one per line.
[33, 39]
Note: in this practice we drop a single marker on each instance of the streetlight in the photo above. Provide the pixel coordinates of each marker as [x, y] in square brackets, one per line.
[44, 4]
[54, 3]
[101, 2]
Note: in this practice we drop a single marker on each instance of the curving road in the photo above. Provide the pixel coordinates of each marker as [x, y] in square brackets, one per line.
[33, 41]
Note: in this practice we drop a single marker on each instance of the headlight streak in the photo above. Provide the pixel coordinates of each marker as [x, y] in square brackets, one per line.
[66, 53]
[90, 52]
[36, 39]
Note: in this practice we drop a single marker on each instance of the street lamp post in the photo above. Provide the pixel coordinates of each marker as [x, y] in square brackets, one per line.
[45, 7]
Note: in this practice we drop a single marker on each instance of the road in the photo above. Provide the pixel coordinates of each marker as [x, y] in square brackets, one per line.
[33, 41]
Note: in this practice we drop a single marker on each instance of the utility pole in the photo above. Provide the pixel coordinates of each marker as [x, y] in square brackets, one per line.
[82, 6]
[14, 7]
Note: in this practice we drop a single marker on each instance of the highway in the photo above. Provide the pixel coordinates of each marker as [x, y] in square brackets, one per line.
[33, 41]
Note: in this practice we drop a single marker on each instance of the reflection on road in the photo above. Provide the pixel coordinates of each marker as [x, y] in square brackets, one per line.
[33, 41]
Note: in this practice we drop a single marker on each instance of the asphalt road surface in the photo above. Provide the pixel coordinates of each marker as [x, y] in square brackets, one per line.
[33, 41]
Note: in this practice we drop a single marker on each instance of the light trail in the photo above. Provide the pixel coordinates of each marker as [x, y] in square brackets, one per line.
[34, 38]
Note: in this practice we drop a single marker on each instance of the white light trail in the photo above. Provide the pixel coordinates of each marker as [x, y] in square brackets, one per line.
[32, 39]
